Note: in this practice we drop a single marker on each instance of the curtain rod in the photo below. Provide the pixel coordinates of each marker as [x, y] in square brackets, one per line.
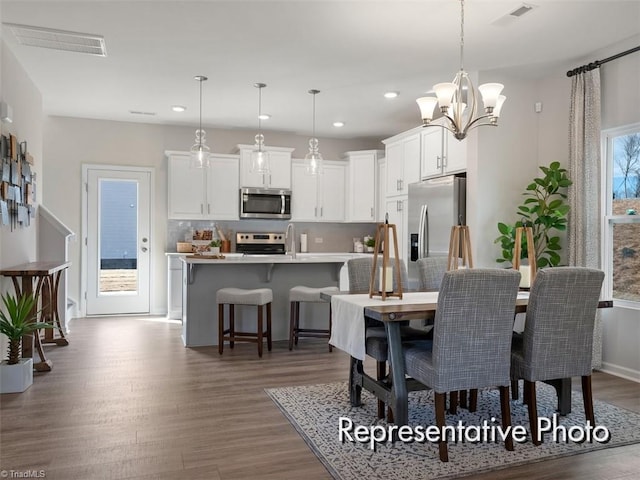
[590, 66]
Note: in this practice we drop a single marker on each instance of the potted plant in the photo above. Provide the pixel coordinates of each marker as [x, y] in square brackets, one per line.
[545, 211]
[16, 320]
[214, 246]
[370, 243]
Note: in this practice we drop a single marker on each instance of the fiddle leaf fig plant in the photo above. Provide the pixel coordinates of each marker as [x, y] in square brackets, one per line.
[18, 320]
[545, 211]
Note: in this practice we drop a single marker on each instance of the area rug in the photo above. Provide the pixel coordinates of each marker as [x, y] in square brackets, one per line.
[316, 411]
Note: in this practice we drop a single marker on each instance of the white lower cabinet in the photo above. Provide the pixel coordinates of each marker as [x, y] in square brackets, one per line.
[174, 287]
[318, 198]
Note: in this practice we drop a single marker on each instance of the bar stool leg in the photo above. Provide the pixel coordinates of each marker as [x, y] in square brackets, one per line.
[292, 311]
[330, 326]
[220, 328]
[260, 330]
[232, 324]
[297, 327]
[269, 326]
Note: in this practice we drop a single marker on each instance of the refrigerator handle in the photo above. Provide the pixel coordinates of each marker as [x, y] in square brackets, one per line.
[423, 232]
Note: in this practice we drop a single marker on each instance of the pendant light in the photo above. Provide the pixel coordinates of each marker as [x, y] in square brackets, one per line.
[313, 159]
[458, 100]
[260, 157]
[200, 150]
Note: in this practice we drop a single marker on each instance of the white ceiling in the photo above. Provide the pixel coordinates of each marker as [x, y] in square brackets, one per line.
[352, 51]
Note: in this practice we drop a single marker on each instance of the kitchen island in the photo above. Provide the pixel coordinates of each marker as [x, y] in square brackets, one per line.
[202, 277]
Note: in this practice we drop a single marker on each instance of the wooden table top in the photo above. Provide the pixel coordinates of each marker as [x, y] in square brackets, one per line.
[34, 269]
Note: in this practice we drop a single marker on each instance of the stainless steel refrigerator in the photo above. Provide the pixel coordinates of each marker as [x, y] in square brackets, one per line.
[435, 205]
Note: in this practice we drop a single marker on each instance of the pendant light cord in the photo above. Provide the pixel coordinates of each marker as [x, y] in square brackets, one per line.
[461, 34]
[200, 122]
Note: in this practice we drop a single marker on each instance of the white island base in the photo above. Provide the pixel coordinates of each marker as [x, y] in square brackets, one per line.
[201, 279]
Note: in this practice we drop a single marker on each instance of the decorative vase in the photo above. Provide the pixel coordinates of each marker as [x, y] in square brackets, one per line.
[17, 377]
[215, 250]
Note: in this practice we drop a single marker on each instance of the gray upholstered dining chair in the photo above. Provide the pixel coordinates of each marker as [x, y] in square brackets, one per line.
[558, 334]
[431, 272]
[471, 340]
[376, 345]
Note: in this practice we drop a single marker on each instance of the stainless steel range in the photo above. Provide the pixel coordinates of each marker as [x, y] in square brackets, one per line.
[260, 243]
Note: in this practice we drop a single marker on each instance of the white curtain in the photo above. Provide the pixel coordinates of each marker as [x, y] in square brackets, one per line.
[584, 170]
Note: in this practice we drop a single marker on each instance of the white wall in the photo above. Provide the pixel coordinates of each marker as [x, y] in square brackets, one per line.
[71, 142]
[620, 81]
[19, 245]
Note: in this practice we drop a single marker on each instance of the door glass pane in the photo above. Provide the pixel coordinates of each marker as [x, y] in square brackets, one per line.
[118, 225]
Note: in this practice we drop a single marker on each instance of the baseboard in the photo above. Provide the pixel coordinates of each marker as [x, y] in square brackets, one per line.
[618, 371]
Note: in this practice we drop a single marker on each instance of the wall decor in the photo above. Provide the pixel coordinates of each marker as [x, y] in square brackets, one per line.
[17, 183]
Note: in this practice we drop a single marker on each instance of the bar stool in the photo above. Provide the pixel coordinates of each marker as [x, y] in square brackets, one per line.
[309, 295]
[241, 296]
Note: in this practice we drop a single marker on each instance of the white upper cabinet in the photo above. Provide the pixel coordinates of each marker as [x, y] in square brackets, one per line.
[278, 177]
[362, 176]
[442, 153]
[202, 193]
[318, 198]
[403, 161]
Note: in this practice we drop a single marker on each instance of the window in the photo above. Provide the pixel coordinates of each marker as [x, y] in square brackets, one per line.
[621, 226]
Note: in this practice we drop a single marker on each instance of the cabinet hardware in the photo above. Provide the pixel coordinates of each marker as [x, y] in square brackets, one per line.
[371, 212]
[144, 249]
[438, 161]
[201, 209]
[315, 211]
[321, 211]
[208, 208]
[444, 161]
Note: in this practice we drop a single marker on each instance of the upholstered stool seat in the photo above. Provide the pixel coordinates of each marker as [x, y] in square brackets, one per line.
[260, 297]
[308, 295]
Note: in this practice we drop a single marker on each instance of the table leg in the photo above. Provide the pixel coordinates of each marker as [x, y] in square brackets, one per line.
[356, 370]
[27, 289]
[50, 303]
[399, 396]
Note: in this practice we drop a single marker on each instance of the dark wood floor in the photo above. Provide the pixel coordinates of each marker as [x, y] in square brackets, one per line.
[126, 400]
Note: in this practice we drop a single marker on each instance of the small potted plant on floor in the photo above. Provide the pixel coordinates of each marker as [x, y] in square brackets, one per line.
[16, 320]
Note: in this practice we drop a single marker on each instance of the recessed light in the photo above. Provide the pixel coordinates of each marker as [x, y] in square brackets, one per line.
[264, 116]
[178, 108]
[338, 124]
[390, 94]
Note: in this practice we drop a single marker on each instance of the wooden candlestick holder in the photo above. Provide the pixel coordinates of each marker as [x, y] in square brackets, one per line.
[382, 237]
[459, 247]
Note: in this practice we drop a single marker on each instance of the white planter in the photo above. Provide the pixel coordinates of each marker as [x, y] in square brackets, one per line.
[16, 378]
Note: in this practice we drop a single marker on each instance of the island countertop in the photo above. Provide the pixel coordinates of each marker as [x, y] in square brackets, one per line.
[233, 258]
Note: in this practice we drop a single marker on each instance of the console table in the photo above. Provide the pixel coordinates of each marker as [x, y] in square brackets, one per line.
[40, 279]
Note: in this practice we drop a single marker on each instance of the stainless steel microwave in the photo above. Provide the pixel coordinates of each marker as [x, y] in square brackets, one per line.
[265, 203]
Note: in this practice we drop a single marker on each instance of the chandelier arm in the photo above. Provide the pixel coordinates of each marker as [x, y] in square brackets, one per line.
[475, 122]
[440, 125]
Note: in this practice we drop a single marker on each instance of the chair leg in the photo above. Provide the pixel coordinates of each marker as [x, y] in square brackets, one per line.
[292, 312]
[260, 330]
[381, 372]
[514, 390]
[269, 344]
[473, 400]
[587, 398]
[440, 400]
[220, 328]
[525, 391]
[453, 402]
[505, 411]
[530, 397]
[463, 398]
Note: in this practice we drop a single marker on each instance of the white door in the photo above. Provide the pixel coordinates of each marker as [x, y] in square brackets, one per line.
[117, 242]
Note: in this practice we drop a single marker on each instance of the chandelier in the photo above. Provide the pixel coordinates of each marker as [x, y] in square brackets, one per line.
[458, 100]
[200, 150]
[313, 159]
[259, 157]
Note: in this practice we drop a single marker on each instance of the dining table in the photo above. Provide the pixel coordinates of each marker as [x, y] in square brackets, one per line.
[349, 312]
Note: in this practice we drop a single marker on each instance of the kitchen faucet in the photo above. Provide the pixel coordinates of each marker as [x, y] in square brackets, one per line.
[290, 240]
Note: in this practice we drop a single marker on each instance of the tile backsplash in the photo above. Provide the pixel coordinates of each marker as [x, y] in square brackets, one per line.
[322, 237]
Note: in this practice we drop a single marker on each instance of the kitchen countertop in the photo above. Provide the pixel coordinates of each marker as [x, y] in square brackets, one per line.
[239, 258]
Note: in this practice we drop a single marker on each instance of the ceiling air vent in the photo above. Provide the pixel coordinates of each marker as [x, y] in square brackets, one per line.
[513, 15]
[58, 39]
